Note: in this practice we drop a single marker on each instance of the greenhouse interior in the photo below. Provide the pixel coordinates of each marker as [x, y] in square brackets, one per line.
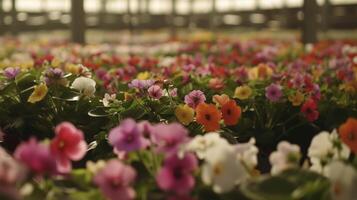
[178, 99]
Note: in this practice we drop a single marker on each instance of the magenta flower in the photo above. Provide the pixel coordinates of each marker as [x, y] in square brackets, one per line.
[36, 156]
[127, 137]
[11, 72]
[173, 92]
[194, 98]
[115, 180]
[141, 84]
[155, 91]
[169, 137]
[273, 92]
[176, 174]
[67, 145]
[145, 129]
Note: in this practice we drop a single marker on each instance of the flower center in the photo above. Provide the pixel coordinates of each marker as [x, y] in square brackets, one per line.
[351, 136]
[217, 170]
[208, 117]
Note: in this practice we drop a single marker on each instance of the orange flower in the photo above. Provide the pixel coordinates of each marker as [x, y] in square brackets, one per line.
[231, 113]
[208, 116]
[220, 100]
[348, 133]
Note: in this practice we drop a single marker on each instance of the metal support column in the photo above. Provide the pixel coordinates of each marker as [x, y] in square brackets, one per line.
[78, 23]
[14, 28]
[309, 24]
[173, 19]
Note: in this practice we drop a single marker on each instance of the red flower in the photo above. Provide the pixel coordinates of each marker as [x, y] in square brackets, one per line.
[309, 109]
[208, 116]
[68, 144]
[348, 133]
[231, 113]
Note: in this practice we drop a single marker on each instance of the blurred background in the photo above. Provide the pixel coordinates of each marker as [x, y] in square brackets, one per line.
[86, 21]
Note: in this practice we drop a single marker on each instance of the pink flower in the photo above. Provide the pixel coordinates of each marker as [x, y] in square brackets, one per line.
[176, 174]
[11, 72]
[169, 137]
[309, 110]
[127, 137]
[194, 98]
[68, 144]
[36, 156]
[273, 92]
[173, 92]
[115, 180]
[155, 92]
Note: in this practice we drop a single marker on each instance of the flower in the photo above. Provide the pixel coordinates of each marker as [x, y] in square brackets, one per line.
[200, 144]
[231, 113]
[173, 92]
[155, 91]
[67, 145]
[243, 92]
[208, 116]
[115, 181]
[176, 174]
[11, 72]
[127, 137]
[286, 156]
[84, 85]
[143, 75]
[348, 133]
[216, 84]
[55, 76]
[38, 93]
[343, 180]
[141, 84]
[36, 156]
[184, 114]
[108, 98]
[296, 99]
[221, 169]
[169, 137]
[247, 153]
[273, 92]
[309, 110]
[194, 98]
[220, 100]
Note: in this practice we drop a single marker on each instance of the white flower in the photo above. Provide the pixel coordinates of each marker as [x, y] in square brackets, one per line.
[343, 180]
[84, 85]
[286, 156]
[201, 144]
[221, 170]
[247, 153]
[326, 147]
[108, 99]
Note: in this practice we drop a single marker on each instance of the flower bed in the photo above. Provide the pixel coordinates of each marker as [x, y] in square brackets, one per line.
[191, 120]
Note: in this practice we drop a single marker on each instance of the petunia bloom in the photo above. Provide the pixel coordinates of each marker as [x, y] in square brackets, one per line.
[155, 92]
[84, 85]
[194, 98]
[115, 180]
[208, 116]
[184, 114]
[243, 92]
[38, 94]
[220, 100]
[273, 92]
[231, 113]
[286, 156]
[296, 99]
[309, 110]
[169, 137]
[348, 133]
[127, 137]
[36, 156]
[176, 174]
[11, 72]
[67, 145]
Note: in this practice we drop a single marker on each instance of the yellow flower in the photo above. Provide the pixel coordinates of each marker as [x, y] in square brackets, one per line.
[243, 92]
[143, 75]
[184, 114]
[55, 62]
[296, 99]
[38, 94]
[72, 68]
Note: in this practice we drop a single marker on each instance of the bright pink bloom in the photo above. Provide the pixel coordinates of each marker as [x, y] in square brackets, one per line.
[169, 137]
[36, 156]
[155, 92]
[127, 137]
[11, 72]
[273, 92]
[176, 174]
[309, 110]
[194, 98]
[115, 181]
[67, 145]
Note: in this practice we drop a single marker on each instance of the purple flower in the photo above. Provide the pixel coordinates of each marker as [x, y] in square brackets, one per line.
[36, 156]
[127, 137]
[176, 174]
[194, 98]
[115, 181]
[53, 75]
[141, 84]
[155, 91]
[273, 92]
[169, 137]
[11, 72]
